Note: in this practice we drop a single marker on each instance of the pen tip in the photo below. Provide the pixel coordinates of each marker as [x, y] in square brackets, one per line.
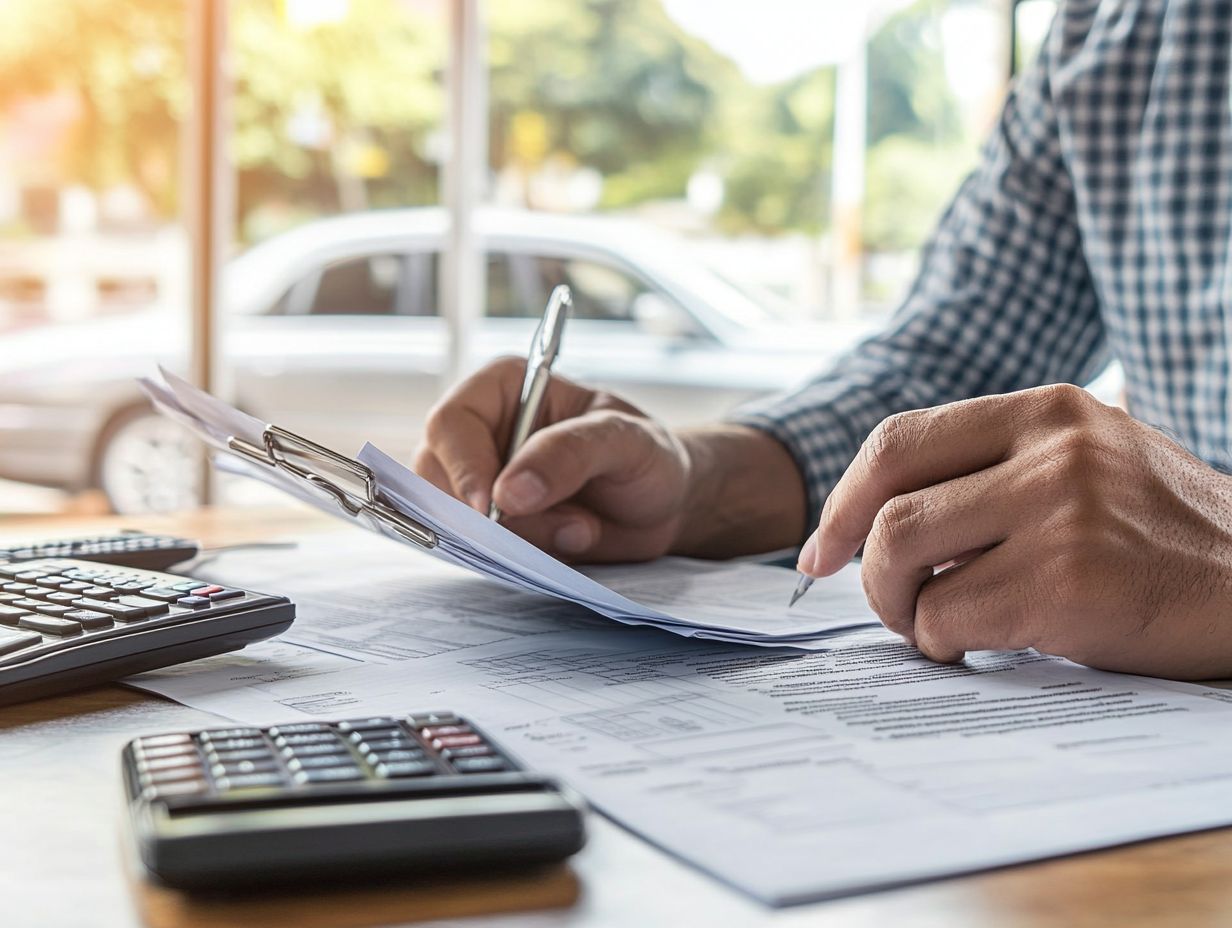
[494, 512]
[802, 587]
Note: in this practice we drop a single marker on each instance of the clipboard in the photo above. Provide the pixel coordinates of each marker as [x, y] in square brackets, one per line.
[363, 502]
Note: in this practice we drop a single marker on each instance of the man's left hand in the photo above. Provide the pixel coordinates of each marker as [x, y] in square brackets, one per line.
[1068, 526]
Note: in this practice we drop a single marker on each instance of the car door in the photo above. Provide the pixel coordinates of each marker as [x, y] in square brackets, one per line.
[624, 334]
[352, 351]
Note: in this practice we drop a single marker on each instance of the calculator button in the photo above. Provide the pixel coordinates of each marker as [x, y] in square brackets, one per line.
[90, 619]
[396, 756]
[298, 728]
[236, 744]
[455, 741]
[166, 763]
[206, 590]
[55, 581]
[219, 734]
[17, 587]
[62, 597]
[225, 594]
[245, 754]
[375, 734]
[329, 775]
[159, 777]
[420, 768]
[237, 767]
[371, 724]
[248, 781]
[188, 585]
[194, 602]
[10, 597]
[316, 750]
[115, 610]
[11, 615]
[11, 641]
[319, 763]
[75, 586]
[440, 730]
[474, 750]
[171, 750]
[50, 625]
[132, 586]
[148, 606]
[98, 592]
[419, 720]
[33, 574]
[311, 737]
[53, 609]
[385, 744]
[162, 594]
[479, 764]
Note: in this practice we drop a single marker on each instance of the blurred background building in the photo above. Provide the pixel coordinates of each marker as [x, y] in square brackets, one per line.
[735, 191]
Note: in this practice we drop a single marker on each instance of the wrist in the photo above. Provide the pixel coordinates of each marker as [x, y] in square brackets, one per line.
[745, 494]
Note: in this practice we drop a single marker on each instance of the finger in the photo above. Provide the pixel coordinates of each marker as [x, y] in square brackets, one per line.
[907, 452]
[575, 534]
[986, 604]
[944, 523]
[469, 429]
[559, 460]
[427, 466]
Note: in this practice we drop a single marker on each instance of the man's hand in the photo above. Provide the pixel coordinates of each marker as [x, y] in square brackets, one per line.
[600, 481]
[1071, 528]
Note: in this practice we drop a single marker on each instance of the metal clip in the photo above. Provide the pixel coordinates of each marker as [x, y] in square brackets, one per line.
[279, 443]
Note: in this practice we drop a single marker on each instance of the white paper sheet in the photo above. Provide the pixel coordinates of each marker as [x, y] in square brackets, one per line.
[673, 594]
[793, 776]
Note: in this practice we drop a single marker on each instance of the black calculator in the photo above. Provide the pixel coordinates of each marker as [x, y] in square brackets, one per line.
[245, 806]
[128, 548]
[65, 624]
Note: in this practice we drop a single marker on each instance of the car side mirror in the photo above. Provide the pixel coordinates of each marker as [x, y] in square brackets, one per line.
[659, 316]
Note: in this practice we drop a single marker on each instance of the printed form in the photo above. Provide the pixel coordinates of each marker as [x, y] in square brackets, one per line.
[791, 776]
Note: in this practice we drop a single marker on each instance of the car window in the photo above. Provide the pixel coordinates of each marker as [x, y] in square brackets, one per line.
[366, 286]
[518, 287]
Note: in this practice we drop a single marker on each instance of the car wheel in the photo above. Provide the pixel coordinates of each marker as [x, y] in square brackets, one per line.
[147, 463]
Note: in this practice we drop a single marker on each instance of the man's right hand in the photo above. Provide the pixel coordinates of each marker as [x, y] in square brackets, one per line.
[597, 481]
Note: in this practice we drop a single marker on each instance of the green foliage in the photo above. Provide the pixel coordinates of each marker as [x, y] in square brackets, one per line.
[345, 113]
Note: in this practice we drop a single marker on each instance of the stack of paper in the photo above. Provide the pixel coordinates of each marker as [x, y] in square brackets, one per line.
[469, 539]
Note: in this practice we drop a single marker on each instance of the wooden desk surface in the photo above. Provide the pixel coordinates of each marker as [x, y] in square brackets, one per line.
[65, 859]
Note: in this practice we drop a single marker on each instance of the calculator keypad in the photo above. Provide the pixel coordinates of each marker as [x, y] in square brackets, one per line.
[236, 762]
[50, 604]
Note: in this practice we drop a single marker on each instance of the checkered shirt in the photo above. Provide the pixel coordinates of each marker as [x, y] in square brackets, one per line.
[1096, 226]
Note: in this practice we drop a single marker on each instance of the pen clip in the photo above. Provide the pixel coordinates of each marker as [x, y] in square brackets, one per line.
[546, 343]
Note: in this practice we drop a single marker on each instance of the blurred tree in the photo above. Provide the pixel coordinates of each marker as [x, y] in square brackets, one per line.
[344, 114]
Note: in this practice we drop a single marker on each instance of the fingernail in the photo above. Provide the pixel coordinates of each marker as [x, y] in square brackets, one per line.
[523, 492]
[808, 554]
[476, 500]
[573, 537]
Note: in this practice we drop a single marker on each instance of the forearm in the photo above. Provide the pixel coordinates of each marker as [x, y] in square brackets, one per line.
[746, 495]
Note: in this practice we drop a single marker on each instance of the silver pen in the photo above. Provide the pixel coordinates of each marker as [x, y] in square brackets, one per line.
[543, 350]
[802, 587]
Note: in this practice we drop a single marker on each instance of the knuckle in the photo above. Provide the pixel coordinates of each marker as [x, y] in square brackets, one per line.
[890, 440]
[1065, 403]
[899, 521]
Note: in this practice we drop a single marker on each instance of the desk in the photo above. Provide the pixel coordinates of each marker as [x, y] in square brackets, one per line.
[62, 854]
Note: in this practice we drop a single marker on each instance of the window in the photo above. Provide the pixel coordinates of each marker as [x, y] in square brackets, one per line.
[365, 286]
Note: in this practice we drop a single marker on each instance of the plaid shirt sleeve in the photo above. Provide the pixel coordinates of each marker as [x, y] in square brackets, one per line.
[1004, 301]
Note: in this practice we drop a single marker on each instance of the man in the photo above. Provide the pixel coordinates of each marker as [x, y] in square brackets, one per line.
[1099, 223]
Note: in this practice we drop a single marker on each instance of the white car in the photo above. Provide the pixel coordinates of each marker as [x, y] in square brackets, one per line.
[332, 329]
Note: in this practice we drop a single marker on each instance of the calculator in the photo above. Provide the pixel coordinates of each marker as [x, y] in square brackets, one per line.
[127, 548]
[65, 623]
[405, 795]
